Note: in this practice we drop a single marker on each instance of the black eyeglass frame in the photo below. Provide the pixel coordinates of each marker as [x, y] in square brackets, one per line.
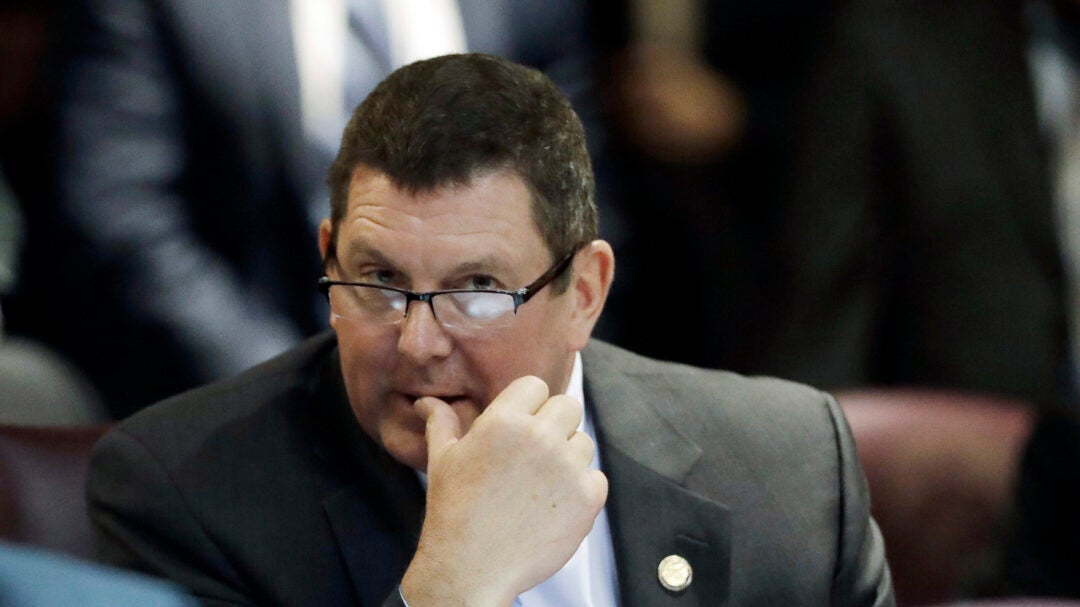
[521, 296]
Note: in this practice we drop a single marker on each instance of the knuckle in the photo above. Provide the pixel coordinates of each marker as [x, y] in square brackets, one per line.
[568, 402]
[537, 432]
[590, 447]
[598, 488]
[533, 384]
[532, 380]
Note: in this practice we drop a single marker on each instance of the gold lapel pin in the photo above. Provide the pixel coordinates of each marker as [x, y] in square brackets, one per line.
[675, 573]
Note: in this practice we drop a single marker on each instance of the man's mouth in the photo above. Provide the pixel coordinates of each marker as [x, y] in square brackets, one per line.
[449, 399]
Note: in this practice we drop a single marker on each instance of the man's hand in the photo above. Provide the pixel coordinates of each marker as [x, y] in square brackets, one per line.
[508, 503]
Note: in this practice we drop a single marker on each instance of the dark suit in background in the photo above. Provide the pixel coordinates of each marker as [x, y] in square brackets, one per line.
[920, 237]
[1044, 553]
[263, 490]
[712, 210]
[179, 121]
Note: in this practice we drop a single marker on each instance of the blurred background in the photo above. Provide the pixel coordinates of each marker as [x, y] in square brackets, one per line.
[877, 197]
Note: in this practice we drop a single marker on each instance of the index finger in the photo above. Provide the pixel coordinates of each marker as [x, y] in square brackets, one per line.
[524, 395]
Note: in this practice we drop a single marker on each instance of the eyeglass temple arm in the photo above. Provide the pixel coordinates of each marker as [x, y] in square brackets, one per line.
[526, 293]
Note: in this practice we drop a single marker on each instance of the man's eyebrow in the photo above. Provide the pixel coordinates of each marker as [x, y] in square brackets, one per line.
[485, 264]
[489, 264]
[366, 254]
[492, 266]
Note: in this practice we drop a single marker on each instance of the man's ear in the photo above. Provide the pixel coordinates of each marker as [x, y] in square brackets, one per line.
[594, 269]
[325, 233]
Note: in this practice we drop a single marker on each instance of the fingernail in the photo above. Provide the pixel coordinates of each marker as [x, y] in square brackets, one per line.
[423, 405]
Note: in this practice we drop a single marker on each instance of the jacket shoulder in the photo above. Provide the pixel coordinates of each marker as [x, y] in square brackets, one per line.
[276, 389]
[607, 361]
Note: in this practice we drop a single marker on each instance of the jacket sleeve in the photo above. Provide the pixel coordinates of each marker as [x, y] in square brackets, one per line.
[862, 574]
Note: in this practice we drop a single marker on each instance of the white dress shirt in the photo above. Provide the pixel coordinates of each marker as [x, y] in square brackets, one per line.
[588, 579]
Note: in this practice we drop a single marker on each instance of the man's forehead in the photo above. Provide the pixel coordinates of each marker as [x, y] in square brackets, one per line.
[432, 262]
[363, 252]
[493, 212]
[499, 196]
[364, 177]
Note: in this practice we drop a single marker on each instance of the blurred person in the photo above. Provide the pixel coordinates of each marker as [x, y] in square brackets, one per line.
[22, 46]
[465, 276]
[702, 101]
[180, 120]
[39, 386]
[1044, 549]
[920, 242]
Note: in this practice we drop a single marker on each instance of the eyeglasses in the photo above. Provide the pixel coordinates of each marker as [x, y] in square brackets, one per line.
[463, 309]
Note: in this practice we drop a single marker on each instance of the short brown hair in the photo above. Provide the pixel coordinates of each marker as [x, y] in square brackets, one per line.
[441, 121]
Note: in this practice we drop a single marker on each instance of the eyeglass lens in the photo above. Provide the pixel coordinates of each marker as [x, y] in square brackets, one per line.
[464, 309]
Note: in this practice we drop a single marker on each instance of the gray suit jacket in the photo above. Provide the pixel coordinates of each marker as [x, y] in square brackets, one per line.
[262, 490]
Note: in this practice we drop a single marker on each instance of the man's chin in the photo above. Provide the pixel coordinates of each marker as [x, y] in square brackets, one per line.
[403, 435]
[411, 453]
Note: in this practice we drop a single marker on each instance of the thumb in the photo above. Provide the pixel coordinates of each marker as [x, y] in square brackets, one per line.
[443, 425]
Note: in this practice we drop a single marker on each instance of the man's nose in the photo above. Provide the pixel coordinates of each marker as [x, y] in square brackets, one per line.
[422, 338]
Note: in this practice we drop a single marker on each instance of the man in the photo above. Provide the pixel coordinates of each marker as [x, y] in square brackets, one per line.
[459, 180]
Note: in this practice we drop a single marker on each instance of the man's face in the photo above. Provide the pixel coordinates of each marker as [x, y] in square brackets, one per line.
[476, 236]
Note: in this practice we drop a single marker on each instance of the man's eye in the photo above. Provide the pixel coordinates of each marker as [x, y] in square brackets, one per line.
[481, 281]
[381, 277]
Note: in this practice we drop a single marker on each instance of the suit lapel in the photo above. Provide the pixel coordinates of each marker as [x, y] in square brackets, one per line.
[376, 537]
[652, 518]
[652, 514]
[376, 512]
